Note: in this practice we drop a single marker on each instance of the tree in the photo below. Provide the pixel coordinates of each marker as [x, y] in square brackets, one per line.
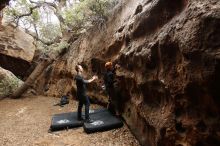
[87, 13]
[30, 16]
[72, 15]
[43, 64]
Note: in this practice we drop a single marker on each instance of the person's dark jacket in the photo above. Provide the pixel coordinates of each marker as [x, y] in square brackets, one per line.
[109, 79]
[81, 85]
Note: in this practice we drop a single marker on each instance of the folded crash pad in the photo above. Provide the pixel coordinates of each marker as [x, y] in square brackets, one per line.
[69, 120]
[103, 120]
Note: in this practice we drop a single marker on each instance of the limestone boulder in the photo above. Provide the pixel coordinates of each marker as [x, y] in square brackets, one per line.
[16, 50]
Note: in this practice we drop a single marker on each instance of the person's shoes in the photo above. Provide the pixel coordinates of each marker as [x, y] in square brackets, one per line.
[80, 119]
[89, 120]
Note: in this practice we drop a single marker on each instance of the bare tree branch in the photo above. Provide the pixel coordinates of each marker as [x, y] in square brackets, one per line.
[57, 12]
[18, 17]
[35, 36]
[57, 8]
[40, 4]
[35, 29]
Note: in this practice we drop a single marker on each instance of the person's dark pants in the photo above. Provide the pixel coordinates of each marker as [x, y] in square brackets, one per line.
[113, 101]
[83, 100]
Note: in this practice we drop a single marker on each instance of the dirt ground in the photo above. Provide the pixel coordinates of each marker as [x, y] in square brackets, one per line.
[25, 122]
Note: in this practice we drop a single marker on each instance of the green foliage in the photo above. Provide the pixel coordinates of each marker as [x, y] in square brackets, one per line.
[49, 31]
[19, 7]
[43, 48]
[56, 48]
[14, 83]
[35, 16]
[87, 13]
[8, 85]
[61, 46]
[46, 31]
[77, 17]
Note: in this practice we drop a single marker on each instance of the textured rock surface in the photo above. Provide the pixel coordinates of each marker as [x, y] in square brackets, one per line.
[8, 82]
[169, 53]
[16, 50]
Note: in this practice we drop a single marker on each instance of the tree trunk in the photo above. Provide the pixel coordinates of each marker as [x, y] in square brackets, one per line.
[38, 70]
[30, 80]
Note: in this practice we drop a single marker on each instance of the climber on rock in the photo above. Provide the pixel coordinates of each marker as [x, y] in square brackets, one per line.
[111, 88]
[81, 93]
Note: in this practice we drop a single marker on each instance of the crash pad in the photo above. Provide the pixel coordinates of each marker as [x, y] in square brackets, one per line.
[103, 121]
[65, 121]
[69, 120]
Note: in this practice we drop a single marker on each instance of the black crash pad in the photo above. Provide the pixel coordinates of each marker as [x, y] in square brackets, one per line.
[69, 120]
[103, 120]
[64, 121]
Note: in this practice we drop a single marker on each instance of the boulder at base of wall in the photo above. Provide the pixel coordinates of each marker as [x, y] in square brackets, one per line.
[16, 50]
[8, 82]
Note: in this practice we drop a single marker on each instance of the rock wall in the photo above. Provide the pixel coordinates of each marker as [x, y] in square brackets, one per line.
[169, 53]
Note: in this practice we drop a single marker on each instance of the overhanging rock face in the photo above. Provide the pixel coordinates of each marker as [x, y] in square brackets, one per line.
[16, 50]
[169, 79]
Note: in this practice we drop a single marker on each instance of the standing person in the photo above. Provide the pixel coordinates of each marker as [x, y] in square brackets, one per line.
[111, 88]
[81, 93]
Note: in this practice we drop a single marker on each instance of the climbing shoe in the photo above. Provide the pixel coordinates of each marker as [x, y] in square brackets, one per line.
[89, 120]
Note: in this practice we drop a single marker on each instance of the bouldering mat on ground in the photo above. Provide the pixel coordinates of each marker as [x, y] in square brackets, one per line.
[103, 120]
[69, 120]
[64, 121]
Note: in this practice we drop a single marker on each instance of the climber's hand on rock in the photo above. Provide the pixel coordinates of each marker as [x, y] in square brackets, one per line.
[117, 66]
[95, 77]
